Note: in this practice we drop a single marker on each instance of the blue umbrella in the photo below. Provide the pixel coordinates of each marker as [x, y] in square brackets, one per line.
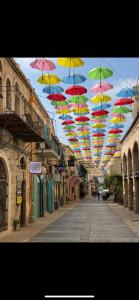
[99, 130]
[85, 136]
[65, 117]
[127, 92]
[96, 154]
[74, 79]
[102, 106]
[116, 126]
[55, 89]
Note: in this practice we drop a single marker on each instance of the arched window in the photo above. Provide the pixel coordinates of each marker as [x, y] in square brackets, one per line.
[22, 163]
[8, 94]
[0, 66]
[17, 99]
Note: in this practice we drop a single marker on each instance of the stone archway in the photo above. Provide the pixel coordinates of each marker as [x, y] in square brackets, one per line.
[3, 196]
[136, 176]
[125, 181]
[130, 180]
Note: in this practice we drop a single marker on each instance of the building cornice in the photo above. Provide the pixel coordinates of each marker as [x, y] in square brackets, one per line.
[130, 128]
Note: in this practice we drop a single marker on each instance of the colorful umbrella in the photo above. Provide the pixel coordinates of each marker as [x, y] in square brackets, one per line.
[99, 130]
[70, 62]
[98, 125]
[65, 117]
[101, 87]
[83, 124]
[100, 113]
[63, 111]
[56, 97]
[99, 134]
[68, 127]
[75, 105]
[74, 79]
[126, 92]
[76, 90]
[116, 126]
[124, 101]
[102, 106]
[100, 98]
[68, 122]
[59, 103]
[83, 128]
[117, 120]
[49, 79]
[55, 89]
[72, 139]
[100, 73]
[114, 135]
[82, 119]
[78, 99]
[43, 64]
[118, 115]
[121, 109]
[115, 131]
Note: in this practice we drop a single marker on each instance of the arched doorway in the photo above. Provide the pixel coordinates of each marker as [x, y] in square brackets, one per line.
[125, 181]
[3, 197]
[136, 176]
[130, 181]
[23, 205]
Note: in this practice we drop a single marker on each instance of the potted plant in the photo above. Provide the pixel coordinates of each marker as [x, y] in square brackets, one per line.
[15, 224]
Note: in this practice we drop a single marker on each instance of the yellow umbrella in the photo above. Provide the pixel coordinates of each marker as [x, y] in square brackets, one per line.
[84, 133]
[71, 134]
[117, 120]
[80, 110]
[100, 98]
[70, 62]
[98, 125]
[49, 79]
[66, 111]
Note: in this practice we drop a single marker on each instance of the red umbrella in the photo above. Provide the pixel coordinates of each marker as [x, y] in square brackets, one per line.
[115, 131]
[67, 122]
[98, 134]
[56, 97]
[124, 101]
[85, 149]
[82, 119]
[99, 113]
[76, 90]
[73, 139]
[98, 146]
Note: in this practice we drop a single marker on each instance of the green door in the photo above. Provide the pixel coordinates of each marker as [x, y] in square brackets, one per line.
[51, 195]
[44, 195]
[35, 196]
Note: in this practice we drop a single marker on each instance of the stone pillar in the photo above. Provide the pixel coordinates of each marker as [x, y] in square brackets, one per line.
[130, 193]
[125, 192]
[136, 194]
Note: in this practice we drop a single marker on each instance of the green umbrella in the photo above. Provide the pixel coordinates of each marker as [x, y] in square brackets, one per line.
[121, 109]
[59, 103]
[100, 117]
[68, 127]
[83, 123]
[78, 99]
[114, 135]
[100, 73]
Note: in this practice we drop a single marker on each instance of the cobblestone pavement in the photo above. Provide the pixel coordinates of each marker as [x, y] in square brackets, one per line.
[89, 221]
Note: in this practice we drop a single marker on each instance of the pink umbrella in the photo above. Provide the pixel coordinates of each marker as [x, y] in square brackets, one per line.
[118, 115]
[76, 105]
[62, 107]
[101, 87]
[43, 64]
[83, 129]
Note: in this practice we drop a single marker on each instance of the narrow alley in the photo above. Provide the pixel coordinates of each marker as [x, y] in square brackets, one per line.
[89, 221]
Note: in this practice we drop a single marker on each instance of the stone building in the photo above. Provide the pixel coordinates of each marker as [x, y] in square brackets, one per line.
[26, 135]
[130, 160]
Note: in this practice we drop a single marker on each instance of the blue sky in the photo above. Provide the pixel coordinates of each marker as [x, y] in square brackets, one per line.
[125, 73]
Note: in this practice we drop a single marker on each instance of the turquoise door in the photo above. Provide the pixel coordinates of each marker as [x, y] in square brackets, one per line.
[44, 195]
[35, 196]
[51, 195]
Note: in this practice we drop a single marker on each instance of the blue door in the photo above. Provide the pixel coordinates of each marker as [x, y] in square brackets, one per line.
[51, 195]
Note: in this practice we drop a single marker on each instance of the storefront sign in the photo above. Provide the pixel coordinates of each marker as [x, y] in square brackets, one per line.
[19, 199]
[35, 167]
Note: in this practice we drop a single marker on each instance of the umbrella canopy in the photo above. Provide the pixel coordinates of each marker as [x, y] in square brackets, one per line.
[65, 117]
[63, 111]
[83, 124]
[99, 146]
[70, 62]
[56, 97]
[80, 110]
[82, 119]
[101, 87]
[78, 99]
[98, 125]
[99, 134]
[101, 106]
[124, 101]
[55, 89]
[76, 90]
[74, 79]
[99, 130]
[68, 122]
[83, 128]
[68, 127]
[60, 103]
[81, 113]
[75, 105]
[118, 115]
[100, 98]
[115, 131]
[121, 109]
[87, 137]
[43, 64]
[71, 134]
[65, 107]
[72, 139]
[114, 135]
[116, 126]
[100, 113]
[49, 79]
[117, 120]
[100, 73]
[126, 92]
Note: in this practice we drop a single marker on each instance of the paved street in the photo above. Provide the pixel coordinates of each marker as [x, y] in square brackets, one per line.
[89, 221]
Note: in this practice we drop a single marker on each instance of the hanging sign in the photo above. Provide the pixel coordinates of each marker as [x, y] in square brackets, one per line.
[35, 167]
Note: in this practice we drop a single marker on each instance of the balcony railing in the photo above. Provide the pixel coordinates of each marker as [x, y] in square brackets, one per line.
[22, 118]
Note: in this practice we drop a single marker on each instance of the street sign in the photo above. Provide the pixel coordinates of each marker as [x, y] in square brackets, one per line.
[35, 167]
